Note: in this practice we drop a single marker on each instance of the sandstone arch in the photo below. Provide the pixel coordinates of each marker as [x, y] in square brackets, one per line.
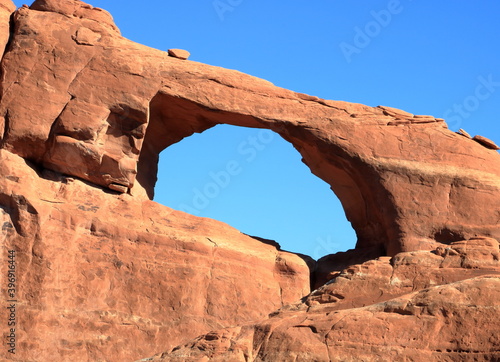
[172, 119]
[255, 181]
[405, 181]
[115, 276]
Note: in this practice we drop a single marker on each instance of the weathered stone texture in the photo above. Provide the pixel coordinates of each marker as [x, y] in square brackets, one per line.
[104, 273]
[452, 322]
[104, 277]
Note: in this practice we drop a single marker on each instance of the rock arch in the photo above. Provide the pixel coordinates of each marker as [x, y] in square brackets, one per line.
[406, 182]
[233, 170]
[172, 119]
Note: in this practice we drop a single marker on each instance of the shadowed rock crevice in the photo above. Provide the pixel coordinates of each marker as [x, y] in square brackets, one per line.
[446, 236]
[170, 120]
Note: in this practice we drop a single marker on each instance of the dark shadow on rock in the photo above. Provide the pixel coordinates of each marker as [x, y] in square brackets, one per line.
[266, 241]
[329, 266]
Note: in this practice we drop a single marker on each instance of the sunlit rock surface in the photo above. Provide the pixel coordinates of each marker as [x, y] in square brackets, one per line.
[104, 273]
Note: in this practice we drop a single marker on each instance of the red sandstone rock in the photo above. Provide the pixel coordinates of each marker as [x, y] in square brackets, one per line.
[179, 53]
[7, 7]
[113, 278]
[330, 266]
[368, 312]
[464, 133]
[77, 9]
[106, 274]
[453, 322]
[385, 278]
[486, 142]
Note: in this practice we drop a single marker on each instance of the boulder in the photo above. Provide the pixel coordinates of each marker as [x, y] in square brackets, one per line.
[179, 53]
[486, 142]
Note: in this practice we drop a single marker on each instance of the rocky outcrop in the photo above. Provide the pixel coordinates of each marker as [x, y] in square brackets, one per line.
[486, 142]
[7, 7]
[384, 278]
[103, 277]
[445, 323]
[480, 254]
[417, 306]
[104, 273]
[77, 9]
[88, 103]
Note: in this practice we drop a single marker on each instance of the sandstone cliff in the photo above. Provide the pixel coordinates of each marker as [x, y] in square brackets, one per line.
[105, 274]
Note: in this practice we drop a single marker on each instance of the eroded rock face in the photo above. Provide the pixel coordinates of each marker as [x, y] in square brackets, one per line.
[104, 273]
[102, 277]
[452, 322]
[418, 306]
[86, 102]
[7, 7]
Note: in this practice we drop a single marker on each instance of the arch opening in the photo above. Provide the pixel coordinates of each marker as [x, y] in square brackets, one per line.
[254, 180]
[172, 119]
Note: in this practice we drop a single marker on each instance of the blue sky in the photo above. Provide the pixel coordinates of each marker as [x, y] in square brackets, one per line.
[440, 58]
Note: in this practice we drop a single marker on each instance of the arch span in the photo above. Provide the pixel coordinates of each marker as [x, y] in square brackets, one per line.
[172, 119]
[255, 181]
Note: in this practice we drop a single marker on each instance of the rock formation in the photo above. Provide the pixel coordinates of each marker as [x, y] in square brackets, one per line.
[453, 322]
[108, 277]
[104, 273]
[6, 8]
